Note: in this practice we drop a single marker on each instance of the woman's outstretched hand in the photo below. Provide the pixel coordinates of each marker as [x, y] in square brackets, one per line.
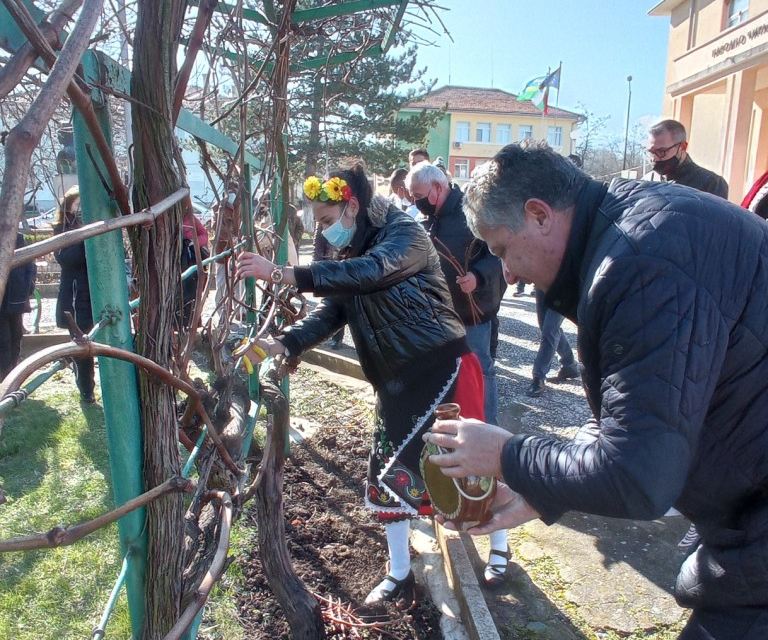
[252, 265]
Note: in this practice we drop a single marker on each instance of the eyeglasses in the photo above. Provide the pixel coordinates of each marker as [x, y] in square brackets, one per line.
[660, 153]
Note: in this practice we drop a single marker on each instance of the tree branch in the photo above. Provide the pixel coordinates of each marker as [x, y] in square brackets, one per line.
[84, 105]
[204, 13]
[12, 73]
[25, 136]
[63, 536]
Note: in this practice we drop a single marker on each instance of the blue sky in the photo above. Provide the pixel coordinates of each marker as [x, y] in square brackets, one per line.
[505, 43]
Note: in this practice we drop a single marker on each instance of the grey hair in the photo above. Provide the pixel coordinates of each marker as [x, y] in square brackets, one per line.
[498, 190]
[675, 128]
[424, 173]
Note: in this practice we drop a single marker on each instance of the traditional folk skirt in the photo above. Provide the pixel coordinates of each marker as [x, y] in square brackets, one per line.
[394, 487]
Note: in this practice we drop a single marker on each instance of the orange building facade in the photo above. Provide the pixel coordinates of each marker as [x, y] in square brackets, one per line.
[717, 84]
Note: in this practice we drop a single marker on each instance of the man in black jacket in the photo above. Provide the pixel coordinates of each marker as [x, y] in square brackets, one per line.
[474, 276]
[668, 288]
[668, 147]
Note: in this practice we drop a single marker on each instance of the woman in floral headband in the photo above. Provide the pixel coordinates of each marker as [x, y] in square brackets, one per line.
[389, 288]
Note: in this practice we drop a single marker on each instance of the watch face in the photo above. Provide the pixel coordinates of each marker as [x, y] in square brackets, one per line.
[277, 275]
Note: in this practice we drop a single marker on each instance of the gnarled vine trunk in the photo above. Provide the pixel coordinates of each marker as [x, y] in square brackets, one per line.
[156, 252]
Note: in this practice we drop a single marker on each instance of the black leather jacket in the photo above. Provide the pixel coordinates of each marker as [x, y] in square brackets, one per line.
[392, 295]
[668, 287]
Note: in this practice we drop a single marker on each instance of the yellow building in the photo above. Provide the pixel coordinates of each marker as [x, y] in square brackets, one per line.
[717, 84]
[479, 122]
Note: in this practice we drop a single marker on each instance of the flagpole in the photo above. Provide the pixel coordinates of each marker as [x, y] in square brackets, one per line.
[557, 100]
[546, 90]
[626, 128]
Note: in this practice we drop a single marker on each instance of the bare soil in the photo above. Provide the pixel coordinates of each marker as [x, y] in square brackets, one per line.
[336, 546]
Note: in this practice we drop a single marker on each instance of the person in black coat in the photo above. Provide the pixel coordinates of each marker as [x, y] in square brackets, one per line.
[74, 293]
[667, 285]
[20, 285]
[668, 147]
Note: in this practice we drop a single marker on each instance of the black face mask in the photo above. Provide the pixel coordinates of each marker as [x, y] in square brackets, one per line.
[425, 206]
[664, 167]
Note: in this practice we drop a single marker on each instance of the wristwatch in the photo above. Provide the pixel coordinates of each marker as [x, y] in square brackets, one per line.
[277, 275]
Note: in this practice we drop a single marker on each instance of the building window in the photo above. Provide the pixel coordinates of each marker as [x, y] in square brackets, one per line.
[461, 169]
[738, 12]
[503, 133]
[525, 132]
[555, 136]
[483, 132]
[462, 132]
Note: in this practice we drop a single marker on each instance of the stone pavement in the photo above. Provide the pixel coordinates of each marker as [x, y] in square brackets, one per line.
[584, 577]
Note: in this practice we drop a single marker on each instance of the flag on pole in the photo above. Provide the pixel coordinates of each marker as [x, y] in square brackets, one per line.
[553, 79]
[531, 89]
[537, 90]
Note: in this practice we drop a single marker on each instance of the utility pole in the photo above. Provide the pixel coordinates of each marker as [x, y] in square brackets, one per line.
[626, 128]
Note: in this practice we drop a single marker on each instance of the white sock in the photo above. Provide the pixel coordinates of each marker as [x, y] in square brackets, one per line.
[398, 534]
[498, 540]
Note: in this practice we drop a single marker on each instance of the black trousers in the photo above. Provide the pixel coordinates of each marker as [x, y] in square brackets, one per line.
[11, 332]
[745, 623]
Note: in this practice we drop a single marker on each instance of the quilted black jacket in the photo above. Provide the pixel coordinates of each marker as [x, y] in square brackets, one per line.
[393, 297]
[669, 287]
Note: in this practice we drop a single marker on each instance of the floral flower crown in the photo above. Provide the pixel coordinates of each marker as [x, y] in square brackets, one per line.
[334, 190]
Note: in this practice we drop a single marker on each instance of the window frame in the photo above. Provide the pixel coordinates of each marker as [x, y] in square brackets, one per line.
[466, 131]
[480, 127]
[504, 126]
[554, 132]
[461, 168]
[734, 19]
[528, 129]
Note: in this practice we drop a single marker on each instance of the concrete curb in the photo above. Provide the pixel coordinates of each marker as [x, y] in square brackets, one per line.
[461, 576]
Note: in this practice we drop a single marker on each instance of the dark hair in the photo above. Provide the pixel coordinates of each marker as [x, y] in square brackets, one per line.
[419, 152]
[498, 190]
[362, 190]
[357, 181]
[398, 175]
[673, 126]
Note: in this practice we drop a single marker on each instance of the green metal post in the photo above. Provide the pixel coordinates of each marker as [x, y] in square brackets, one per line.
[246, 230]
[109, 294]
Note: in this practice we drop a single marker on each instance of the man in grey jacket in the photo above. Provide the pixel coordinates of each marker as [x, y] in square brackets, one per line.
[668, 288]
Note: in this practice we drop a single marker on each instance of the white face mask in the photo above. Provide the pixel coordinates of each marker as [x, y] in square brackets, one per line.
[338, 235]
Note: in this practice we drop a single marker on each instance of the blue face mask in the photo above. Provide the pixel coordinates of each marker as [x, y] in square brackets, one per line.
[338, 235]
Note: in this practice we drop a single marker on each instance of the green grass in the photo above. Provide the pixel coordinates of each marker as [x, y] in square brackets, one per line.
[54, 467]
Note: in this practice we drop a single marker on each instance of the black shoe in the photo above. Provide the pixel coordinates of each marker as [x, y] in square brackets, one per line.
[518, 294]
[87, 398]
[567, 372]
[335, 344]
[391, 590]
[537, 387]
[495, 573]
